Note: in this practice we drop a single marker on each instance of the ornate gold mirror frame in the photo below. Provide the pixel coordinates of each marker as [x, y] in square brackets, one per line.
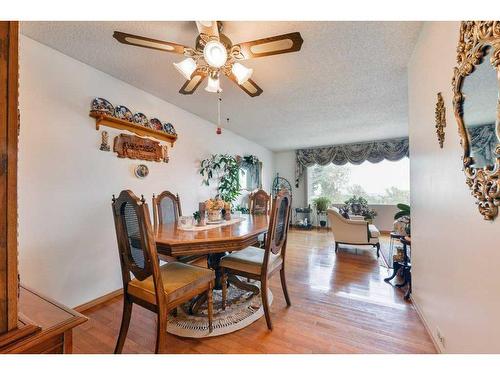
[475, 38]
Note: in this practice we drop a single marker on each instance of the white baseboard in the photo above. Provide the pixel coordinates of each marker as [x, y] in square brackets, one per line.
[426, 325]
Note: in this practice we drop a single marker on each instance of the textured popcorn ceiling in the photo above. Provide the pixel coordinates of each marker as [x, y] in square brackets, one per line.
[348, 83]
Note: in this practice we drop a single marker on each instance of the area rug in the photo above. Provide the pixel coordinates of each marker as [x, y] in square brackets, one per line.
[242, 309]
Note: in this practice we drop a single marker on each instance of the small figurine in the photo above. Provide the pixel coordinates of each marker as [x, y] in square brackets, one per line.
[104, 141]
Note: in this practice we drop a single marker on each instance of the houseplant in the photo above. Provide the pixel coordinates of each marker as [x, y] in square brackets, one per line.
[357, 205]
[402, 225]
[224, 170]
[321, 204]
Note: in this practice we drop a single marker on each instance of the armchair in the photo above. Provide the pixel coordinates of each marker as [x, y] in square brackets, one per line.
[352, 231]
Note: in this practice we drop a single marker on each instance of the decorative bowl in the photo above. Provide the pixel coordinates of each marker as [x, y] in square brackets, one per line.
[169, 128]
[140, 119]
[155, 124]
[103, 106]
[123, 113]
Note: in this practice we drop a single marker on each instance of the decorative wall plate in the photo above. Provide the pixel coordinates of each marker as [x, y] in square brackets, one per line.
[156, 124]
[123, 113]
[141, 119]
[141, 171]
[168, 128]
[102, 105]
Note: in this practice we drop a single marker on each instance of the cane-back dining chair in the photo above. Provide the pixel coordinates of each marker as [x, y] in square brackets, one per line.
[157, 288]
[260, 264]
[259, 202]
[166, 208]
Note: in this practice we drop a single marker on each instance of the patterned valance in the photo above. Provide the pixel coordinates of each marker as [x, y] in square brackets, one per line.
[354, 153]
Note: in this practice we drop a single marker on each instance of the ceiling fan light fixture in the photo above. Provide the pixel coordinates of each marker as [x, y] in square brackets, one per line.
[186, 67]
[213, 84]
[241, 72]
[215, 54]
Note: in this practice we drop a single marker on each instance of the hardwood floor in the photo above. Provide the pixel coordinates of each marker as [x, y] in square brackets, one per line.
[340, 304]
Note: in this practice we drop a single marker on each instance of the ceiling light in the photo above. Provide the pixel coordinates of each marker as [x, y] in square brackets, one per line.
[213, 85]
[242, 73]
[215, 54]
[186, 67]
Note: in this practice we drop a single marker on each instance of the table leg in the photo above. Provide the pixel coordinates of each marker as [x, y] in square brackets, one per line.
[405, 271]
[213, 261]
[408, 292]
[396, 267]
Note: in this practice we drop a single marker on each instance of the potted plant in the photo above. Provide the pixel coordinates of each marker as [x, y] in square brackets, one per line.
[197, 217]
[225, 170]
[359, 206]
[214, 208]
[402, 225]
[321, 204]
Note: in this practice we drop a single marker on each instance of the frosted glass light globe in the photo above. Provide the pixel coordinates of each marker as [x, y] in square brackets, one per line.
[215, 54]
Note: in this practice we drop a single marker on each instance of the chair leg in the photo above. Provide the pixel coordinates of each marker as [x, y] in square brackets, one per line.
[161, 332]
[283, 286]
[127, 313]
[378, 249]
[265, 302]
[210, 305]
[224, 287]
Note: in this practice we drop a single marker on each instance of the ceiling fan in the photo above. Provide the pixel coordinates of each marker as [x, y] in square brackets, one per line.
[214, 54]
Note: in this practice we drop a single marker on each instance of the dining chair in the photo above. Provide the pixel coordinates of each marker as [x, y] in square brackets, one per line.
[258, 202]
[166, 208]
[261, 264]
[157, 288]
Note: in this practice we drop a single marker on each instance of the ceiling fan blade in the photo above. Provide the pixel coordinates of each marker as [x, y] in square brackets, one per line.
[210, 28]
[141, 41]
[273, 45]
[191, 85]
[250, 87]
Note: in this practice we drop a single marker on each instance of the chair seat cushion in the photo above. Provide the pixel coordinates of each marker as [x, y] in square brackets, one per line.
[178, 279]
[374, 232]
[250, 260]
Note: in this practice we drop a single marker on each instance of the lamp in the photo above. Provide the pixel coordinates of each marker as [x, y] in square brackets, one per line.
[186, 67]
[215, 54]
[242, 73]
[213, 84]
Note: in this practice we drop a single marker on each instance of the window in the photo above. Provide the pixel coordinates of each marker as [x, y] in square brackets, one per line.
[243, 179]
[387, 182]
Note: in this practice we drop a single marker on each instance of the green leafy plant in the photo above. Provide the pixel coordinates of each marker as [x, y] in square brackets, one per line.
[404, 211]
[243, 210]
[404, 215]
[197, 216]
[321, 204]
[223, 169]
[358, 205]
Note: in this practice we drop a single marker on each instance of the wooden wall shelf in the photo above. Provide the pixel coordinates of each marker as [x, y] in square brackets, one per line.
[102, 119]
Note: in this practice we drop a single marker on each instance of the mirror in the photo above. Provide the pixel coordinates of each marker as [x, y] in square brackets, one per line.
[250, 173]
[476, 87]
[480, 90]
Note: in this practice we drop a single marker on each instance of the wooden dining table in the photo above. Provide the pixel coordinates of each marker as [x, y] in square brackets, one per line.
[214, 242]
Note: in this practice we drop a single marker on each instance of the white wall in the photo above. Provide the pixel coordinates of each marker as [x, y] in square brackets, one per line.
[67, 244]
[455, 253]
[284, 164]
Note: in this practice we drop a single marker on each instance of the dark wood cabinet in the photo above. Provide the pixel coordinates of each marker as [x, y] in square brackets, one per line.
[29, 322]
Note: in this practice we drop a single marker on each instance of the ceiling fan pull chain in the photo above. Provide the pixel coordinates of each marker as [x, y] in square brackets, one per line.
[219, 100]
